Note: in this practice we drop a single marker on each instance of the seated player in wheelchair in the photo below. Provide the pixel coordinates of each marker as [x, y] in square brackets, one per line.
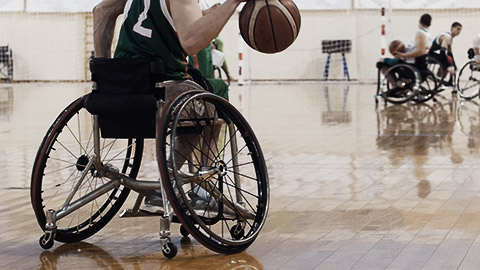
[414, 55]
[441, 50]
[169, 30]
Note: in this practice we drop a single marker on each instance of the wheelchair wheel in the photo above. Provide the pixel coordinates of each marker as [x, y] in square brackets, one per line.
[437, 70]
[402, 84]
[428, 87]
[213, 172]
[61, 159]
[468, 81]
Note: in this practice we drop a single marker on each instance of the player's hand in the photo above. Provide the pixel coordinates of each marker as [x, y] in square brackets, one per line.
[398, 54]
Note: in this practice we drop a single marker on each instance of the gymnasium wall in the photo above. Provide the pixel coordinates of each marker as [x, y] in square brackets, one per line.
[56, 46]
[304, 59]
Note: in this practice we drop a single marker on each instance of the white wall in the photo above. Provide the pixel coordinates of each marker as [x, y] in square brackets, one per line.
[52, 46]
[45, 46]
[304, 59]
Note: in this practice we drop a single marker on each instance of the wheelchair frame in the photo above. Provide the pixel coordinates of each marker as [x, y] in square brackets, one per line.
[411, 84]
[242, 213]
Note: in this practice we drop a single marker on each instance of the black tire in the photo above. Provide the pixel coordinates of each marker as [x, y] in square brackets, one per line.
[170, 251]
[61, 158]
[183, 231]
[212, 227]
[468, 81]
[46, 243]
[406, 86]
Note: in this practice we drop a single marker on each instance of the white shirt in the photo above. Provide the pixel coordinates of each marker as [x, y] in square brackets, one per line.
[412, 46]
[476, 41]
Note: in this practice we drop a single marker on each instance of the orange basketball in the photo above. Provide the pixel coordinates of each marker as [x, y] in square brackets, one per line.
[269, 26]
[396, 46]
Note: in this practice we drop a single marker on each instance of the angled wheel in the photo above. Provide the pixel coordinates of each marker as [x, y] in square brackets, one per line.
[468, 81]
[402, 84]
[60, 162]
[428, 87]
[437, 70]
[213, 172]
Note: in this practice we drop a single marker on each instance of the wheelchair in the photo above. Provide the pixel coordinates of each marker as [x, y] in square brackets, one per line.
[90, 157]
[468, 80]
[403, 82]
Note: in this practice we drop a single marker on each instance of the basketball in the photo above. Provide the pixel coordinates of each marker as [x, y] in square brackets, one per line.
[269, 26]
[396, 46]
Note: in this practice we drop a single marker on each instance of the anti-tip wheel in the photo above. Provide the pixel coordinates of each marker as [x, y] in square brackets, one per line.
[237, 232]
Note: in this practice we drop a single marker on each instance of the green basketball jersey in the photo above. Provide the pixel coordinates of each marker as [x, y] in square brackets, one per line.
[146, 32]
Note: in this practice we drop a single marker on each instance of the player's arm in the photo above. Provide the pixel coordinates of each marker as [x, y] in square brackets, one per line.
[104, 17]
[447, 44]
[195, 31]
[419, 51]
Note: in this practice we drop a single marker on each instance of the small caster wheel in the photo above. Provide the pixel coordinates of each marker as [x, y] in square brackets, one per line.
[183, 231]
[46, 241]
[237, 232]
[169, 250]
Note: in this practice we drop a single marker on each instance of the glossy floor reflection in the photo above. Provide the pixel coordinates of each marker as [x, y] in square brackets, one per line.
[353, 186]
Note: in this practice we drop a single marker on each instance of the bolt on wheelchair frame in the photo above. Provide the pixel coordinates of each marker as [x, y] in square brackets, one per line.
[203, 146]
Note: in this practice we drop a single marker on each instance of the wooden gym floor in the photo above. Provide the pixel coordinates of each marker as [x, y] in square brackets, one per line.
[352, 186]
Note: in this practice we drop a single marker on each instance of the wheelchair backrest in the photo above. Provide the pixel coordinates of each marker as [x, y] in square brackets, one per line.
[126, 92]
[126, 76]
[123, 96]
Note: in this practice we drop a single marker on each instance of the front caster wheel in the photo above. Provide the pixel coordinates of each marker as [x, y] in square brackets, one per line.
[46, 241]
[169, 250]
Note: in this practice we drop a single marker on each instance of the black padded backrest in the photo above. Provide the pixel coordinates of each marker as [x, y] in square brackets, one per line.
[123, 96]
[122, 75]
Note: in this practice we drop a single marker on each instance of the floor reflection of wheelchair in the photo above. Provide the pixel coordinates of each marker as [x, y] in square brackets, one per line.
[468, 119]
[468, 80]
[90, 157]
[409, 129]
[90, 256]
[403, 82]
